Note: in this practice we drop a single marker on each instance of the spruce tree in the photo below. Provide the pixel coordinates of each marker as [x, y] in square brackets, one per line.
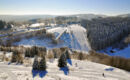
[42, 64]
[62, 61]
[35, 63]
[67, 54]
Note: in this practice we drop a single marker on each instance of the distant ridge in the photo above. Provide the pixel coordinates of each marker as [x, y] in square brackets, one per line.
[18, 18]
[124, 15]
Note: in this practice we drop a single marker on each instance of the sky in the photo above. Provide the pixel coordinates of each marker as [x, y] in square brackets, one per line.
[64, 7]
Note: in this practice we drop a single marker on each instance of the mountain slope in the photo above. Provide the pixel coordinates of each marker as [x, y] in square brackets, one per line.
[80, 70]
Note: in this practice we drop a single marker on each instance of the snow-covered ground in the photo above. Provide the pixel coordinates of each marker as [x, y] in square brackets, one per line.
[37, 25]
[122, 53]
[72, 36]
[80, 70]
[38, 42]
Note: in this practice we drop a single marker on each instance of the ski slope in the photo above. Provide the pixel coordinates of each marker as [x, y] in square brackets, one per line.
[80, 70]
[72, 36]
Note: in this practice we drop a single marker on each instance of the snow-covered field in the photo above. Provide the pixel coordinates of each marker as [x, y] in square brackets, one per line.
[80, 70]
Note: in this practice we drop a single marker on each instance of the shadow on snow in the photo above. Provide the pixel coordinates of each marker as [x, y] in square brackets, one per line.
[41, 73]
[69, 61]
[65, 70]
[109, 69]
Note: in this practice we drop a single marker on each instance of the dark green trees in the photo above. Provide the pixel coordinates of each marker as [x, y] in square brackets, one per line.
[62, 61]
[104, 32]
[67, 54]
[2, 24]
[42, 65]
[39, 63]
[35, 63]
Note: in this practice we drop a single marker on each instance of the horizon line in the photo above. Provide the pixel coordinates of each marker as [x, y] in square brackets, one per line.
[63, 14]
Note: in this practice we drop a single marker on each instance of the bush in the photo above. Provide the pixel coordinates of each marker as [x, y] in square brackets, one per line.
[50, 54]
[80, 57]
[17, 57]
[56, 52]
[34, 50]
[14, 57]
[50, 35]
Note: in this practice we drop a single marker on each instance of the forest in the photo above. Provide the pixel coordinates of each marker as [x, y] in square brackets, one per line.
[4, 25]
[104, 32]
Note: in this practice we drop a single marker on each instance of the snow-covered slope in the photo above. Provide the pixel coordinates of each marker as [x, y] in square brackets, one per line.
[122, 53]
[72, 36]
[39, 42]
[80, 70]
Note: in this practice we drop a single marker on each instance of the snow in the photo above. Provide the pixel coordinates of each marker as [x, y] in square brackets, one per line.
[80, 70]
[38, 42]
[79, 38]
[75, 37]
[36, 25]
[72, 36]
[122, 53]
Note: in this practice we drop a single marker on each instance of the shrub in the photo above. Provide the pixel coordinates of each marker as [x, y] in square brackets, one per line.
[14, 56]
[17, 57]
[50, 35]
[31, 52]
[56, 52]
[80, 57]
[50, 54]
[20, 58]
[54, 41]
[4, 57]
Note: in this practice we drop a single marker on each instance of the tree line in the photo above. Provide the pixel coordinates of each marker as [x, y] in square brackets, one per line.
[104, 32]
[4, 25]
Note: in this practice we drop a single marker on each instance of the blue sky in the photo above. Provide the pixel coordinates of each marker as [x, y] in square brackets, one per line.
[64, 7]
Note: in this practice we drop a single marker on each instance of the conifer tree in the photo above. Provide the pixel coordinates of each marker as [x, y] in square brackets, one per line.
[62, 61]
[42, 64]
[67, 54]
[35, 63]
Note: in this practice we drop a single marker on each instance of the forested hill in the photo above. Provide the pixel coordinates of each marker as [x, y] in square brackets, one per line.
[104, 32]
[4, 25]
